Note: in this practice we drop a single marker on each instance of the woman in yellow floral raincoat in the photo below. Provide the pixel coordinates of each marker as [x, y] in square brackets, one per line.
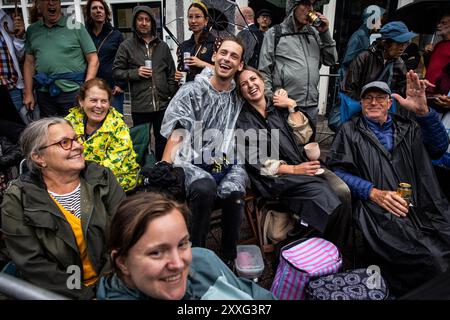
[107, 137]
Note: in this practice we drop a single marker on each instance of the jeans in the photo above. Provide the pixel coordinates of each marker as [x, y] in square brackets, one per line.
[117, 102]
[202, 200]
[17, 98]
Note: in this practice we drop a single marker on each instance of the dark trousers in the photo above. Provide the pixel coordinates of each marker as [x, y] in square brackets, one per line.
[155, 118]
[339, 229]
[59, 105]
[202, 200]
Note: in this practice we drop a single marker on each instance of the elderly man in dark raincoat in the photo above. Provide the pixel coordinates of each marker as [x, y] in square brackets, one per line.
[373, 153]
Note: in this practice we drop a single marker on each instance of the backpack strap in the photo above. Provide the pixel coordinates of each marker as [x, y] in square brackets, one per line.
[279, 33]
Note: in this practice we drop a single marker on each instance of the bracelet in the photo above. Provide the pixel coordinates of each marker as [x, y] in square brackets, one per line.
[292, 109]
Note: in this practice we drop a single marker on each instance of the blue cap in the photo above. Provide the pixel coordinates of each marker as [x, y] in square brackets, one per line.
[378, 85]
[397, 31]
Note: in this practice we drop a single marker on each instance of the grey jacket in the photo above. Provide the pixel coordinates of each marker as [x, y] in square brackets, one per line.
[147, 95]
[297, 62]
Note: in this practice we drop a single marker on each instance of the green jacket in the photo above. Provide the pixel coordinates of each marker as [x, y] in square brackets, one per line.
[39, 239]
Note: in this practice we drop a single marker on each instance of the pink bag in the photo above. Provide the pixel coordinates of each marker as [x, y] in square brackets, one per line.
[300, 261]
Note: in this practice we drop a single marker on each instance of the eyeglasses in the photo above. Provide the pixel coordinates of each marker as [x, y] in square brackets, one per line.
[66, 143]
[369, 99]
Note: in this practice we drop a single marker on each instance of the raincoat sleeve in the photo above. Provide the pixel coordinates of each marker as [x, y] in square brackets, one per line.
[354, 76]
[180, 112]
[267, 61]
[435, 138]
[341, 156]
[328, 53]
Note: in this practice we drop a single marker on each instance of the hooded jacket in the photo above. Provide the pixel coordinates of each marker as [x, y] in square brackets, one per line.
[41, 242]
[298, 59]
[368, 66]
[153, 94]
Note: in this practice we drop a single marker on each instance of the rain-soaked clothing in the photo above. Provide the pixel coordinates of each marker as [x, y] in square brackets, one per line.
[408, 252]
[208, 118]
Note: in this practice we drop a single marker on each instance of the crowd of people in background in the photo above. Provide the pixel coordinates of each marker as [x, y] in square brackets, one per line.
[76, 197]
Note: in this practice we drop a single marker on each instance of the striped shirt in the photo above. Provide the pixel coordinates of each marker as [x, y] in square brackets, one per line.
[70, 201]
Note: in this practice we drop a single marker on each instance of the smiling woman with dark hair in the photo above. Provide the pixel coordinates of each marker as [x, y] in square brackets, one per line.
[153, 259]
[56, 215]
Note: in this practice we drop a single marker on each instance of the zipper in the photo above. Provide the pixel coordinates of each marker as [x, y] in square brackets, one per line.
[152, 87]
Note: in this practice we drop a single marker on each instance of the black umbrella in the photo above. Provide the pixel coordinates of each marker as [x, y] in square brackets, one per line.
[422, 16]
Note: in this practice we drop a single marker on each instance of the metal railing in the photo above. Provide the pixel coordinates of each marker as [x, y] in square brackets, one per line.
[21, 290]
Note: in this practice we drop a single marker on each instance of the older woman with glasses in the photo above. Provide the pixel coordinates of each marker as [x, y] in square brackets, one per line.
[56, 215]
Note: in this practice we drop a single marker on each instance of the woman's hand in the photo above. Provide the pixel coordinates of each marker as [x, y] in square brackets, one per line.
[195, 62]
[307, 168]
[283, 102]
[390, 201]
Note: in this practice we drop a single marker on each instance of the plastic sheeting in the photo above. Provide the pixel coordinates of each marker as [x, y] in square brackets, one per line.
[205, 118]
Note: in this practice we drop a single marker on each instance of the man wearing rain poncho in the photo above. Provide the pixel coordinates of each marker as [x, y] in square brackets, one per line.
[199, 125]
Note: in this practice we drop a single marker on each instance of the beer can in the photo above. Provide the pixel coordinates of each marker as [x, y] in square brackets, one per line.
[148, 63]
[314, 18]
[186, 55]
[405, 191]
[183, 78]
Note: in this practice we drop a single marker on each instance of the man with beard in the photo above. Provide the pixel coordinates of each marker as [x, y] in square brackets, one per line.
[205, 112]
[63, 56]
[151, 87]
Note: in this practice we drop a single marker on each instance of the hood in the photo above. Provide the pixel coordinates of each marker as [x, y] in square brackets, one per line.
[147, 10]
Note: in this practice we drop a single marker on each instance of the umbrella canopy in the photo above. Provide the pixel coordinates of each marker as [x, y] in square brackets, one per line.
[422, 16]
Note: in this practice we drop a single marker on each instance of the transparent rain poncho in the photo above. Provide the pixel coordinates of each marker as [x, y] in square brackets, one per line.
[205, 118]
